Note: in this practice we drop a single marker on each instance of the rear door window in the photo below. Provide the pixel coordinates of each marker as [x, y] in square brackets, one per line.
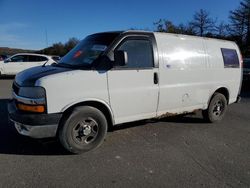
[56, 58]
[42, 58]
[230, 58]
[33, 58]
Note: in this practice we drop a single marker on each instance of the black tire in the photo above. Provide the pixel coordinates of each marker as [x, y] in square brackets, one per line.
[216, 108]
[83, 130]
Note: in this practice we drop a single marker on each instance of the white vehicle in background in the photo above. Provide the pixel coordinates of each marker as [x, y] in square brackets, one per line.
[118, 77]
[22, 61]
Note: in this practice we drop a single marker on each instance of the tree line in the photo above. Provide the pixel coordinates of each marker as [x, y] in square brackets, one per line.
[59, 48]
[202, 24]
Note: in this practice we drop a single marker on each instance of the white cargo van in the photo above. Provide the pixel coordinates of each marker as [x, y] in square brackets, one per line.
[117, 77]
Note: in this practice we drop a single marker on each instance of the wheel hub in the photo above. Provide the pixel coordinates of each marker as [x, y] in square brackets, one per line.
[86, 130]
[218, 108]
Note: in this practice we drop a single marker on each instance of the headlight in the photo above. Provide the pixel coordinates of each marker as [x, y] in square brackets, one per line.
[31, 99]
[32, 92]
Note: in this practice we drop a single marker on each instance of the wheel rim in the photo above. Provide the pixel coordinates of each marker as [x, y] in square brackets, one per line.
[85, 131]
[218, 108]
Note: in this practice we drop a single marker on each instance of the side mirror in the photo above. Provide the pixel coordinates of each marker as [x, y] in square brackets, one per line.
[121, 58]
[102, 63]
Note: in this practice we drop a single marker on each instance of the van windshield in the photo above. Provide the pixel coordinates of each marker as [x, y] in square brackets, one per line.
[88, 50]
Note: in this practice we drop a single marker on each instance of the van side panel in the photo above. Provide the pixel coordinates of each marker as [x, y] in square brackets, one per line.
[191, 70]
[230, 78]
[182, 65]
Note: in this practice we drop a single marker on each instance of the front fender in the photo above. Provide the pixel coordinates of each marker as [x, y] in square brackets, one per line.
[86, 100]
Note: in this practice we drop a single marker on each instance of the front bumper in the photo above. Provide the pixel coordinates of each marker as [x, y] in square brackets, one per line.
[34, 125]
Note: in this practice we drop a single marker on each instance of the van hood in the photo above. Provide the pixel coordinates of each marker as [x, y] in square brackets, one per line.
[28, 78]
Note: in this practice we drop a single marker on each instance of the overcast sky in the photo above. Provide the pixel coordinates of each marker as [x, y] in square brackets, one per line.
[23, 23]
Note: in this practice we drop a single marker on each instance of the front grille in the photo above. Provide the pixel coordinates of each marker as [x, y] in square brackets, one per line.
[15, 88]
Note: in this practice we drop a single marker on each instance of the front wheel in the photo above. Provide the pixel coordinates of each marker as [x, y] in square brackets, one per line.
[83, 130]
[216, 108]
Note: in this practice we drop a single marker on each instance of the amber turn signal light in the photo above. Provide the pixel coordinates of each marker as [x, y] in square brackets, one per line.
[33, 108]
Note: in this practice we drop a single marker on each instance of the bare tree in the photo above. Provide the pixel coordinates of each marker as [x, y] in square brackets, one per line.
[202, 23]
[72, 42]
[185, 29]
[159, 25]
[237, 26]
[240, 22]
[222, 30]
[165, 26]
[240, 25]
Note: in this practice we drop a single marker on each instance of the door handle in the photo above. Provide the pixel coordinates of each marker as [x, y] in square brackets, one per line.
[156, 78]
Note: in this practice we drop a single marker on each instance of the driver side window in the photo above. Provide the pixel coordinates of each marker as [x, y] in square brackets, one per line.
[140, 53]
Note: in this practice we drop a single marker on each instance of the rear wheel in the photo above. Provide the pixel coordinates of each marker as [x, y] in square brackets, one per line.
[216, 108]
[83, 130]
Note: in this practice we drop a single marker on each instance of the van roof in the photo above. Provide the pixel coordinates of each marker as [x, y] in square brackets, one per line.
[177, 35]
[163, 33]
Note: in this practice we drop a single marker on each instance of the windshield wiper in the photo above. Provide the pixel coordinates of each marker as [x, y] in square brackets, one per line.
[78, 66]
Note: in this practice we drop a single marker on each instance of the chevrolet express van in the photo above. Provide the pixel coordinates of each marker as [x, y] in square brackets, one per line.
[117, 77]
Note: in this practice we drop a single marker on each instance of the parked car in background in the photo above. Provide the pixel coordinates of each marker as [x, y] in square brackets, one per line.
[3, 57]
[246, 69]
[22, 61]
